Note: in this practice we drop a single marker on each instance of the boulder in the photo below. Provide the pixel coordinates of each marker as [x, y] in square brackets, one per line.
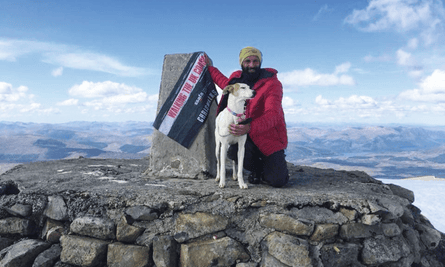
[101, 228]
[23, 253]
[121, 255]
[219, 252]
[83, 251]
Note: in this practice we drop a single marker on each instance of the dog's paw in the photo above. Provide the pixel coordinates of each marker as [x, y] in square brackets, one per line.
[243, 186]
[234, 177]
[222, 185]
[217, 179]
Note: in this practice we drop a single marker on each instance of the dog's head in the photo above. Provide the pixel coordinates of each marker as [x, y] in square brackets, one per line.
[241, 90]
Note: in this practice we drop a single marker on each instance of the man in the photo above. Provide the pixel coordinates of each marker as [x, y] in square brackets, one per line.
[264, 123]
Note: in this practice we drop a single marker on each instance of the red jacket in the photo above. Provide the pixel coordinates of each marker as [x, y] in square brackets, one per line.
[268, 127]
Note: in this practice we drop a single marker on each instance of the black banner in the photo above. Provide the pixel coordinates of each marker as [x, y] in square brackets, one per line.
[188, 105]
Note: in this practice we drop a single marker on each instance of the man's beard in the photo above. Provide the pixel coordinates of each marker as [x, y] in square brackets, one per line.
[251, 74]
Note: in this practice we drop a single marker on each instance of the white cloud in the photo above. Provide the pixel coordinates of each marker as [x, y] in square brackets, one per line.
[416, 73]
[435, 83]
[288, 102]
[308, 77]
[357, 107]
[95, 62]
[404, 58]
[68, 102]
[400, 15]
[112, 97]
[10, 94]
[413, 43]
[57, 72]
[68, 57]
[342, 68]
[382, 58]
[16, 101]
[323, 10]
[424, 17]
[102, 89]
[407, 60]
[432, 89]
[352, 102]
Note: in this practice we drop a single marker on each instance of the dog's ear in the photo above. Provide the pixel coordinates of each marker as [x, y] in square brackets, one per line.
[228, 89]
[235, 89]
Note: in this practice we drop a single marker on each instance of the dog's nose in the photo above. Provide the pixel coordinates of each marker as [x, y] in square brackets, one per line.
[254, 93]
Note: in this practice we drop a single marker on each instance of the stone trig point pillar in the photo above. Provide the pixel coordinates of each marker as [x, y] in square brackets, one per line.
[167, 157]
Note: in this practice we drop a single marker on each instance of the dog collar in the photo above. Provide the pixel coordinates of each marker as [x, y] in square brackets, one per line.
[233, 113]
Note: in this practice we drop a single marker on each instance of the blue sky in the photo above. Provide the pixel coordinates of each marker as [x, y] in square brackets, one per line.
[376, 62]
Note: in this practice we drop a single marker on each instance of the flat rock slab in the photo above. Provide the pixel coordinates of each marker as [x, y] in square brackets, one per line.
[122, 179]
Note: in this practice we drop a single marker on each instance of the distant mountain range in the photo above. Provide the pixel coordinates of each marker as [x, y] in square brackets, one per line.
[25, 142]
[390, 152]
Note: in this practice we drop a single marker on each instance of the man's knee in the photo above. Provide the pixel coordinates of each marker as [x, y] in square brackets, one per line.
[277, 179]
[276, 173]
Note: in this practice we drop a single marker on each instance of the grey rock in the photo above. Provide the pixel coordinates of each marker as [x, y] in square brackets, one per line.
[430, 237]
[56, 209]
[160, 226]
[101, 228]
[402, 192]
[351, 215]
[268, 260]
[391, 229]
[319, 215]
[395, 207]
[54, 234]
[190, 226]
[358, 230]
[48, 257]
[170, 159]
[370, 219]
[141, 213]
[403, 262]
[165, 251]
[23, 253]
[340, 255]
[324, 232]
[288, 249]
[247, 264]
[286, 223]
[126, 232]
[20, 210]
[380, 250]
[50, 224]
[83, 251]
[407, 217]
[219, 252]
[14, 225]
[121, 255]
[413, 240]
[146, 239]
[5, 242]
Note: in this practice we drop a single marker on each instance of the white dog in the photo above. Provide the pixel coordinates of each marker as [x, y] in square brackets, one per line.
[238, 94]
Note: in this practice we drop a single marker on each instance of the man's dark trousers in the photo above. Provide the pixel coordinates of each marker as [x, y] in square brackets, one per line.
[272, 169]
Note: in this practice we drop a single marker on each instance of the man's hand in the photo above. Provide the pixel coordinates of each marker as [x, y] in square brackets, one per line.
[239, 129]
[209, 62]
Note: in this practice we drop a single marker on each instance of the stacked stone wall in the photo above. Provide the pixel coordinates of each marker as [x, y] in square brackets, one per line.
[80, 229]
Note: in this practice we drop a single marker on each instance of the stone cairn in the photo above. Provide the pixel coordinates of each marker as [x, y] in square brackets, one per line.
[323, 218]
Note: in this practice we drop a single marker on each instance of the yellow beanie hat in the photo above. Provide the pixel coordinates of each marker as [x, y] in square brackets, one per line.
[249, 51]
